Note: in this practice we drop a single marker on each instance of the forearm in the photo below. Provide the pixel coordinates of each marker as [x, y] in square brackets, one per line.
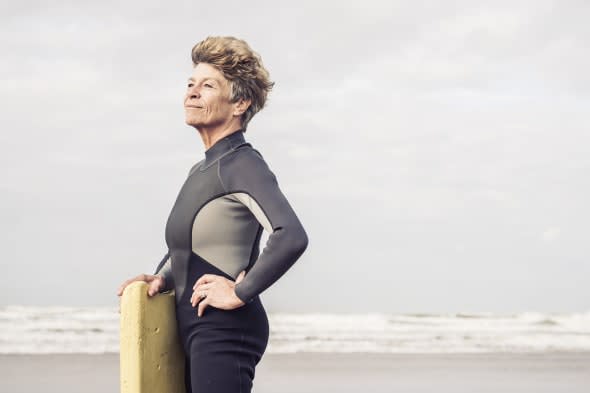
[283, 249]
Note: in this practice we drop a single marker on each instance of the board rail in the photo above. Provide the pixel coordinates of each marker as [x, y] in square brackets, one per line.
[151, 357]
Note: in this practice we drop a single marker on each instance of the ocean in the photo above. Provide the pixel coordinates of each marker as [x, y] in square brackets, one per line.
[41, 330]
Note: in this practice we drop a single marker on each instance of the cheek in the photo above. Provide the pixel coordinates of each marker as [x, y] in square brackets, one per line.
[212, 106]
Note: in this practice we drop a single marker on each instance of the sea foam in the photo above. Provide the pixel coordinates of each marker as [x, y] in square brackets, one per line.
[37, 330]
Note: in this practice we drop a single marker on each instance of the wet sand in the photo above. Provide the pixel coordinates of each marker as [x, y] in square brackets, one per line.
[322, 373]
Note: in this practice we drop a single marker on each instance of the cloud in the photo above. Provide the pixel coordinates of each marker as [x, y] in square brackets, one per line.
[551, 234]
[416, 137]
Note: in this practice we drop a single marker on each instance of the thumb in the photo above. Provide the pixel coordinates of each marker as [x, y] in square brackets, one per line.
[154, 287]
[240, 276]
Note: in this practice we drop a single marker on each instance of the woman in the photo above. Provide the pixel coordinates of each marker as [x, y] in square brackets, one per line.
[213, 231]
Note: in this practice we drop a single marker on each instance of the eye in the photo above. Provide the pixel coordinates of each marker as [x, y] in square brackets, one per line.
[190, 85]
[208, 85]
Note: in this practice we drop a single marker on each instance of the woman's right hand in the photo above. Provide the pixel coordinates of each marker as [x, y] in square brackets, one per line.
[156, 283]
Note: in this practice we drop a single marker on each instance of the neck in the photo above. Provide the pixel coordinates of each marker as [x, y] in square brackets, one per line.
[210, 135]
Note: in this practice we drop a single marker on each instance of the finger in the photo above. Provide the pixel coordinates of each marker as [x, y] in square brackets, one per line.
[154, 287]
[205, 278]
[202, 306]
[240, 276]
[158, 283]
[125, 283]
[141, 277]
[203, 287]
[195, 298]
[151, 277]
[123, 286]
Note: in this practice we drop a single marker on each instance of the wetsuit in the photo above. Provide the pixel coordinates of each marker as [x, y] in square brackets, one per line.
[214, 227]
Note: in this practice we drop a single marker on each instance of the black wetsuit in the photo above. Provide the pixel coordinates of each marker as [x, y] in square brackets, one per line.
[215, 227]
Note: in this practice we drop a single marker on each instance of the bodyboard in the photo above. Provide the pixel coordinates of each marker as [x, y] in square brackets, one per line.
[151, 356]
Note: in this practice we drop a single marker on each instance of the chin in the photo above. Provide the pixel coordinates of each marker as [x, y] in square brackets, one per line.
[192, 122]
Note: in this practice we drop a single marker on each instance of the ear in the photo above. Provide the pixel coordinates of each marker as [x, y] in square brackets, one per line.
[241, 106]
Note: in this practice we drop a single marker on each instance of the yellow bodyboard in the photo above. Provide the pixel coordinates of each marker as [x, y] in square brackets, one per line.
[151, 357]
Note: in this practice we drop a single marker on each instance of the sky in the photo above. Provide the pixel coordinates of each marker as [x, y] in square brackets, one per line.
[437, 153]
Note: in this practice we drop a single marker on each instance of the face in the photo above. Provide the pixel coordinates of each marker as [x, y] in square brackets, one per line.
[207, 100]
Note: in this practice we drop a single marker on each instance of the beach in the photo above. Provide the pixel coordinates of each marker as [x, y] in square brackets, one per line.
[329, 372]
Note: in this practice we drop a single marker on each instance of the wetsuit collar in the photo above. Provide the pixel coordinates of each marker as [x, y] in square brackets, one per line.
[224, 146]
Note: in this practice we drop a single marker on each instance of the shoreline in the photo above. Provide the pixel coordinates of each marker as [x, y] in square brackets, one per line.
[312, 372]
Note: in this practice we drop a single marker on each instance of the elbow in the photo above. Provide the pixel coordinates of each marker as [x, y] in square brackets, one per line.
[293, 240]
[300, 241]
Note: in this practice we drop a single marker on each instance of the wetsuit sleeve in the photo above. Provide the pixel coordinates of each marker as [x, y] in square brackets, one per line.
[253, 183]
[164, 269]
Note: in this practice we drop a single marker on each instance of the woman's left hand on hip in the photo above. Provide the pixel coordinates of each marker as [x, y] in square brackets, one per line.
[217, 291]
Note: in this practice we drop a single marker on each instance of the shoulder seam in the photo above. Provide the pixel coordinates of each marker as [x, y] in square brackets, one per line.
[193, 168]
[219, 176]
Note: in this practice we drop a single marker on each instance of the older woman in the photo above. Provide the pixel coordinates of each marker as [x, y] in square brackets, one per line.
[213, 231]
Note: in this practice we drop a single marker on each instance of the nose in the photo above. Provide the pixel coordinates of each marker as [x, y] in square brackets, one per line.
[193, 92]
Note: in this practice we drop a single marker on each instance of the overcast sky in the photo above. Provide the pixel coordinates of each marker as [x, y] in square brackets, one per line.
[437, 153]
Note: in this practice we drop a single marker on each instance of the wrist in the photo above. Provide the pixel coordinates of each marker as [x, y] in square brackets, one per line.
[239, 302]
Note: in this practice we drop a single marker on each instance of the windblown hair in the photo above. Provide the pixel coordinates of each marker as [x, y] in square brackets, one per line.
[241, 66]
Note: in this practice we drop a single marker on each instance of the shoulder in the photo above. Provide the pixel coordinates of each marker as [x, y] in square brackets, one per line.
[244, 167]
[243, 152]
[195, 167]
[244, 158]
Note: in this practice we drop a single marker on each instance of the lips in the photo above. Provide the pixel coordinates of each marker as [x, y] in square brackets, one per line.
[193, 107]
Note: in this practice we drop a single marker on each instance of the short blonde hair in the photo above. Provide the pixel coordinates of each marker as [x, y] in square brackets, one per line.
[241, 66]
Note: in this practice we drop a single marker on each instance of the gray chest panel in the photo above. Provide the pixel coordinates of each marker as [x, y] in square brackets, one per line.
[224, 233]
